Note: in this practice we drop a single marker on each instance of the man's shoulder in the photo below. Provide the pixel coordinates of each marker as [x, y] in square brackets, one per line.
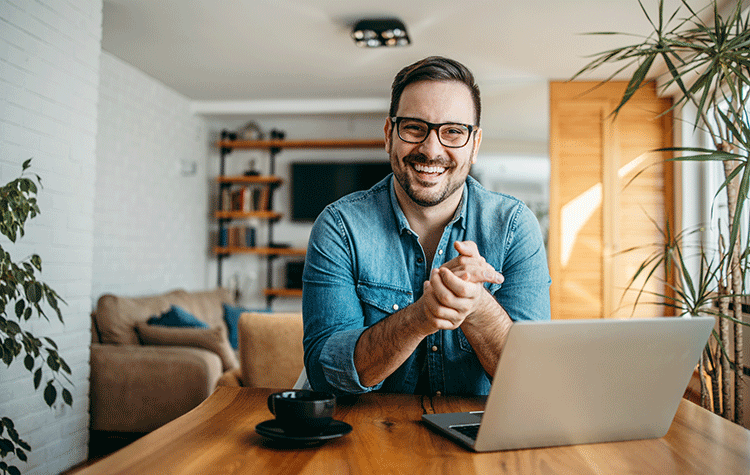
[487, 200]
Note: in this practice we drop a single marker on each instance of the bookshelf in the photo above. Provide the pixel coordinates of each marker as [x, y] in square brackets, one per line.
[258, 203]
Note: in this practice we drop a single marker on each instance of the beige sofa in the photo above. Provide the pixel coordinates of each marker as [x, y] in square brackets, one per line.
[143, 377]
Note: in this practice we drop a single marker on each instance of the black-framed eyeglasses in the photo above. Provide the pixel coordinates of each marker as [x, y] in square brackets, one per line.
[450, 134]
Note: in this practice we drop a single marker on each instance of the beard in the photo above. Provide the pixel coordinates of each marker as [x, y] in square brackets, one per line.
[427, 194]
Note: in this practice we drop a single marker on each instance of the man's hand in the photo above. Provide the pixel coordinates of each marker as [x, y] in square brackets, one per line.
[456, 290]
[471, 266]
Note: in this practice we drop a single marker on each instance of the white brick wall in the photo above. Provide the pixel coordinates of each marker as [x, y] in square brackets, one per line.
[150, 216]
[49, 80]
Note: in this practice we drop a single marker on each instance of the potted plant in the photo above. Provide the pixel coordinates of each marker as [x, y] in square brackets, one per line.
[708, 64]
[22, 297]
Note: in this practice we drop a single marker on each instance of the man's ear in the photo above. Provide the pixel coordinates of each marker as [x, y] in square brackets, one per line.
[387, 130]
[477, 143]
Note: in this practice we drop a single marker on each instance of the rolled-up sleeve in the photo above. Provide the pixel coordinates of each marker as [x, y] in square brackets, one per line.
[332, 312]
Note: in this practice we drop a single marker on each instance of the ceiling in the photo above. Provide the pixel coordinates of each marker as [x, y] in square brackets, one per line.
[295, 50]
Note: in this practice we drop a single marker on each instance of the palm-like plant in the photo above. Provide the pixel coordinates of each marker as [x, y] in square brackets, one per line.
[708, 65]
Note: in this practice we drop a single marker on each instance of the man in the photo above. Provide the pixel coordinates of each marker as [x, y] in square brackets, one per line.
[401, 292]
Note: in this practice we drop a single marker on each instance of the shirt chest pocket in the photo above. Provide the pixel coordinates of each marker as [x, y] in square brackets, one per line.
[380, 300]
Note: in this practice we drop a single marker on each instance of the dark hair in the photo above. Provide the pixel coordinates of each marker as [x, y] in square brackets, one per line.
[435, 68]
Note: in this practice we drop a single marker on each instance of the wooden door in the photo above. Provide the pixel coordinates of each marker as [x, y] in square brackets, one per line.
[597, 208]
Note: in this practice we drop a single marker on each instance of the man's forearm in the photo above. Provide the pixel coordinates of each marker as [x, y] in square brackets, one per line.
[383, 347]
[486, 330]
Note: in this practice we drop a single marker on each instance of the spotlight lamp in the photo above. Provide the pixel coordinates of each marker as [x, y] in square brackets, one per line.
[372, 33]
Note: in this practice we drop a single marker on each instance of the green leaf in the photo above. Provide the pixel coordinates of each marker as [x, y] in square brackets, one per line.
[6, 446]
[53, 363]
[19, 308]
[51, 342]
[26, 164]
[67, 397]
[37, 378]
[37, 262]
[21, 455]
[13, 470]
[50, 394]
[29, 362]
[65, 366]
[33, 291]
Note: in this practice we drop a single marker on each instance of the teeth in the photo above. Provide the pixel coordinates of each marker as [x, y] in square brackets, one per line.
[425, 169]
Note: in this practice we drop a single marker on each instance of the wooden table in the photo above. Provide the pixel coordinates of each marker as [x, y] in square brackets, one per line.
[388, 437]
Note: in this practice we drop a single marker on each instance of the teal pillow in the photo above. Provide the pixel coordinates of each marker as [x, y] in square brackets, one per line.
[177, 317]
[232, 318]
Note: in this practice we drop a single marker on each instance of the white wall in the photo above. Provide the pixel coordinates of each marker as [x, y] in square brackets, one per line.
[151, 206]
[49, 63]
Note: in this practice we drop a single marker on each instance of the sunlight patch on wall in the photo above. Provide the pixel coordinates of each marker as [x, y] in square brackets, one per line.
[575, 214]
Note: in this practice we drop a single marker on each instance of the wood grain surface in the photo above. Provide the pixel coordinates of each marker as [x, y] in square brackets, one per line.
[218, 437]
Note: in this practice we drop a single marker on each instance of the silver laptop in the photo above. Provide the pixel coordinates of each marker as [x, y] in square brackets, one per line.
[565, 382]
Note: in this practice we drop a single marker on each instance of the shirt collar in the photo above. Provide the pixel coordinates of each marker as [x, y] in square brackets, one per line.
[459, 217]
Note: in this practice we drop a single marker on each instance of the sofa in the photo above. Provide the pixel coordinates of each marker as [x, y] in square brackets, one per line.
[143, 376]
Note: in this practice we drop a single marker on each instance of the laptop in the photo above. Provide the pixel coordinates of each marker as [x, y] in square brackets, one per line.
[566, 382]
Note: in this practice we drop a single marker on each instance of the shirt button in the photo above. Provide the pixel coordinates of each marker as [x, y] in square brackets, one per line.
[395, 306]
[434, 348]
[438, 393]
[440, 252]
[420, 260]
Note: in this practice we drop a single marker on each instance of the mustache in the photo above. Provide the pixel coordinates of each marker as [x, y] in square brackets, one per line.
[422, 159]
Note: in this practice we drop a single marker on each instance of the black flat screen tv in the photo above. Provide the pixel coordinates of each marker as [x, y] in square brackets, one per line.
[314, 185]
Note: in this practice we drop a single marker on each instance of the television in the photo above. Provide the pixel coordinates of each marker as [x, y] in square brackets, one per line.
[314, 185]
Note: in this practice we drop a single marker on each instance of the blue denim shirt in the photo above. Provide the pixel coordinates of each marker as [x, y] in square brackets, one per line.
[364, 263]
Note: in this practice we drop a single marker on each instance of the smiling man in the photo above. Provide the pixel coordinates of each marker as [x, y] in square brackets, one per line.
[412, 285]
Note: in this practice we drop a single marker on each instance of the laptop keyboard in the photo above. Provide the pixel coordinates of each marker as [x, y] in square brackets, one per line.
[469, 430]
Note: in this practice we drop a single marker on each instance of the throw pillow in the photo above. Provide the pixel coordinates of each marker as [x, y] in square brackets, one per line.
[232, 317]
[212, 339]
[177, 317]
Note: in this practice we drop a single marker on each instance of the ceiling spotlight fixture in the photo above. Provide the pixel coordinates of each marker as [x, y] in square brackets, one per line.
[371, 33]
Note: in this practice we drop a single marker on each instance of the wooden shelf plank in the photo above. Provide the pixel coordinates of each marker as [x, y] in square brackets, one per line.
[283, 292]
[265, 251]
[248, 214]
[311, 144]
[257, 179]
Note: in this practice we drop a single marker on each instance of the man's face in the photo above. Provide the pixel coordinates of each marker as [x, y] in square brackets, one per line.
[429, 173]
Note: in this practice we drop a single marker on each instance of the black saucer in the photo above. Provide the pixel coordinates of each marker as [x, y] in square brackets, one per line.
[272, 430]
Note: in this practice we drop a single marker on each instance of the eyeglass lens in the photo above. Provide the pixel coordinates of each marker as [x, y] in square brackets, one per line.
[416, 131]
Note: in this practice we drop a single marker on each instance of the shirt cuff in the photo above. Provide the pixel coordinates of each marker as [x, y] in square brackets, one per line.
[337, 361]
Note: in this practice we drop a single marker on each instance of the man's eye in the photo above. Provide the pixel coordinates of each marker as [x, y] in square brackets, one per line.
[454, 131]
[413, 127]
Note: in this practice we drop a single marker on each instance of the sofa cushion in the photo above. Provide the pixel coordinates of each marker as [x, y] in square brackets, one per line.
[116, 317]
[232, 318]
[205, 305]
[177, 317]
[212, 339]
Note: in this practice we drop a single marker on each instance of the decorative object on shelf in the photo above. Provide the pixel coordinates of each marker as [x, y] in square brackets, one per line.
[19, 284]
[251, 171]
[376, 32]
[251, 131]
[708, 63]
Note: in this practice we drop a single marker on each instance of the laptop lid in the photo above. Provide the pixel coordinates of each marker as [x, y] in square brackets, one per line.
[566, 382]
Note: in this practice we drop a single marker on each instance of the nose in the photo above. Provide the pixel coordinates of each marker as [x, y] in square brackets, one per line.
[431, 145]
